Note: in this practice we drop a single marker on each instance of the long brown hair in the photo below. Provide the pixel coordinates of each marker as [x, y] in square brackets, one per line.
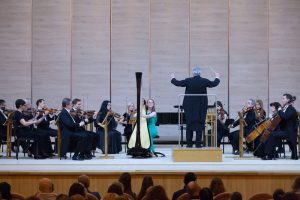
[217, 186]
[153, 108]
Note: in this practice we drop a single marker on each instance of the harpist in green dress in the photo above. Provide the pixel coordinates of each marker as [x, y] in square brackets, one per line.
[152, 128]
[151, 121]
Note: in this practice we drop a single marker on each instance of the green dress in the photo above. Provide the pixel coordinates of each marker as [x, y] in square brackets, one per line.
[152, 129]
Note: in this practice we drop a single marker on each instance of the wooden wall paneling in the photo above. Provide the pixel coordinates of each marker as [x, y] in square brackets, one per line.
[248, 70]
[284, 49]
[15, 50]
[91, 52]
[209, 43]
[130, 51]
[51, 55]
[169, 50]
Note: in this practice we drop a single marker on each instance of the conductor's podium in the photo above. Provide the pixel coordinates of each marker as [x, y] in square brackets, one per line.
[205, 154]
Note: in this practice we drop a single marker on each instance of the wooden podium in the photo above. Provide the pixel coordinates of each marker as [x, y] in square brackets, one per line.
[205, 154]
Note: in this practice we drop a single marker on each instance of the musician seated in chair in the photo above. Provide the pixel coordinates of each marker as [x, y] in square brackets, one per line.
[151, 121]
[128, 120]
[288, 129]
[68, 127]
[79, 116]
[250, 119]
[106, 116]
[3, 118]
[223, 130]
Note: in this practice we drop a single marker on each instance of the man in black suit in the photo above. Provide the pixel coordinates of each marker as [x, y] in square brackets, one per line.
[94, 137]
[68, 127]
[195, 107]
[288, 128]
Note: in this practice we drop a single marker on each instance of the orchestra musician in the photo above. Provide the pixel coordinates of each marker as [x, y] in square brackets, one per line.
[222, 129]
[44, 125]
[250, 120]
[261, 113]
[128, 120]
[151, 121]
[78, 117]
[3, 118]
[23, 129]
[114, 137]
[195, 107]
[69, 132]
[287, 129]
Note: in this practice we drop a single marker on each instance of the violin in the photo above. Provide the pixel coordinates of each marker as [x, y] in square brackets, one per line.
[49, 110]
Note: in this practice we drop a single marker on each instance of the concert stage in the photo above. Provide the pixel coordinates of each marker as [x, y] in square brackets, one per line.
[248, 175]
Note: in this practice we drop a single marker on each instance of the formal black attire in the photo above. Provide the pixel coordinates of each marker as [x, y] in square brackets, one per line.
[222, 130]
[195, 107]
[3, 129]
[250, 119]
[114, 136]
[288, 130]
[94, 137]
[128, 126]
[68, 128]
[28, 133]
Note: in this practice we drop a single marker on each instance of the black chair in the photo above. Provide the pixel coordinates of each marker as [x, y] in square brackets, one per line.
[27, 140]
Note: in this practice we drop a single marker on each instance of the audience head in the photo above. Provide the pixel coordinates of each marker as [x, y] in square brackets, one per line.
[217, 186]
[5, 190]
[62, 197]
[84, 180]
[290, 196]
[77, 188]
[296, 185]
[193, 189]
[147, 182]
[206, 194]
[46, 185]
[125, 179]
[236, 196]
[116, 187]
[111, 196]
[156, 193]
[278, 194]
[188, 177]
[77, 197]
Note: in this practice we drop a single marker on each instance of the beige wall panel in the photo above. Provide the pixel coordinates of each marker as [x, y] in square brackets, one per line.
[248, 70]
[51, 56]
[169, 50]
[15, 50]
[209, 42]
[91, 52]
[130, 50]
[284, 49]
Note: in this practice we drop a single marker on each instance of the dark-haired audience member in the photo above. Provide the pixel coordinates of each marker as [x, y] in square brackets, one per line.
[147, 182]
[116, 187]
[77, 197]
[188, 177]
[85, 181]
[5, 190]
[206, 194]
[296, 185]
[278, 194]
[110, 196]
[77, 188]
[156, 193]
[62, 197]
[290, 196]
[125, 179]
[217, 186]
[236, 196]
[46, 190]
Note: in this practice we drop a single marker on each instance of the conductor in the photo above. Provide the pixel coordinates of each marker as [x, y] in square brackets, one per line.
[195, 107]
